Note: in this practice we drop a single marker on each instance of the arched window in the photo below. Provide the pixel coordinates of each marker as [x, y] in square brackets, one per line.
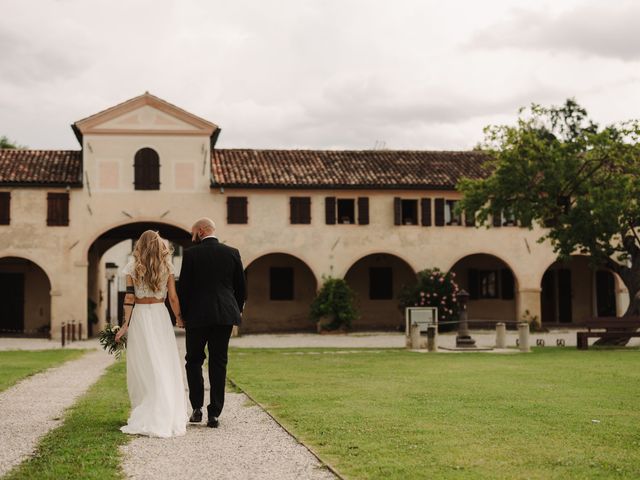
[147, 170]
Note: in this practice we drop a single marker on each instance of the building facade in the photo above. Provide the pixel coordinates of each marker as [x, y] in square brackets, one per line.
[373, 217]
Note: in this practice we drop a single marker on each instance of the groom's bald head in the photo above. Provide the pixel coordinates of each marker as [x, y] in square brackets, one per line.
[202, 228]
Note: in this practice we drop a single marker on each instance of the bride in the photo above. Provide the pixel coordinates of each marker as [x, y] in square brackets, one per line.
[154, 374]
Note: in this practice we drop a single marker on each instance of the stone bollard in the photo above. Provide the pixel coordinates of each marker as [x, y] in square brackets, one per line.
[523, 337]
[415, 336]
[432, 345]
[501, 335]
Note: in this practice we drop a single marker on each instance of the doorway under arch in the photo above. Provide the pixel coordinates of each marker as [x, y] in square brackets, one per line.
[492, 288]
[280, 289]
[25, 296]
[104, 296]
[377, 280]
[572, 291]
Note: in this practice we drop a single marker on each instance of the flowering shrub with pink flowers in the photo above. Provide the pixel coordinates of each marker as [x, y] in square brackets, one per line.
[434, 288]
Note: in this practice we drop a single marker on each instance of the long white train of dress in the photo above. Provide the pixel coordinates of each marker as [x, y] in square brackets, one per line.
[154, 375]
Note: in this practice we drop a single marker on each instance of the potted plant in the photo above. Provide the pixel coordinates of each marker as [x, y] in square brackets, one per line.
[334, 309]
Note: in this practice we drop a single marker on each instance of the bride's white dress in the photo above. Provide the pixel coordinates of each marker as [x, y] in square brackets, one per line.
[154, 372]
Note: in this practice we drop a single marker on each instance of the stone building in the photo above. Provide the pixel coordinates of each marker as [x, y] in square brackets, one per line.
[372, 217]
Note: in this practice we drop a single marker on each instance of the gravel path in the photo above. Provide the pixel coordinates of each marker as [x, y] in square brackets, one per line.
[249, 444]
[35, 405]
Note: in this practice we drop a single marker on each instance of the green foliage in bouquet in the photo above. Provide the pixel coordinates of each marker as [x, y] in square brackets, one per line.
[336, 301]
[107, 339]
[434, 288]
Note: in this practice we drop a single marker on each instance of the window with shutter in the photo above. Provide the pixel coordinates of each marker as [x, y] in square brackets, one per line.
[281, 283]
[300, 210]
[147, 170]
[380, 283]
[409, 212]
[450, 216]
[237, 210]
[469, 219]
[497, 218]
[397, 211]
[330, 210]
[363, 210]
[439, 211]
[346, 211]
[5, 208]
[58, 209]
[425, 206]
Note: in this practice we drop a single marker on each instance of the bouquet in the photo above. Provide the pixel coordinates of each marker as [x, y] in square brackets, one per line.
[108, 340]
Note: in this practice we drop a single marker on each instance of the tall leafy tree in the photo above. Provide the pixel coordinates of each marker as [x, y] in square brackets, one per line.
[557, 168]
[6, 143]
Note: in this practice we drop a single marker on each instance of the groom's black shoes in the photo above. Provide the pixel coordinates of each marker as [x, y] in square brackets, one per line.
[196, 416]
[213, 422]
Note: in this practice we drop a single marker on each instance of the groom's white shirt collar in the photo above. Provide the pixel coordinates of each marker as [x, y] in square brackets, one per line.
[208, 236]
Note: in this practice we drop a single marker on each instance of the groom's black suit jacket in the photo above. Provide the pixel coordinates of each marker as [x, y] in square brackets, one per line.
[212, 286]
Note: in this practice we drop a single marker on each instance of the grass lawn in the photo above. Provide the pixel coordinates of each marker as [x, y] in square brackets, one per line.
[18, 364]
[554, 413]
[86, 445]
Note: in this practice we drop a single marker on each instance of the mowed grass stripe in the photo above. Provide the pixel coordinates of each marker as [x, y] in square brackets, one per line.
[86, 445]
[398, 414]
[16, 365]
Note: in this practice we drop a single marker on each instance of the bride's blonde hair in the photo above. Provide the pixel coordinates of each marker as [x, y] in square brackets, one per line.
[151, 257]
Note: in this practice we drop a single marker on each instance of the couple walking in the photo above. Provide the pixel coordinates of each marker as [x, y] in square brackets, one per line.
[207, 303]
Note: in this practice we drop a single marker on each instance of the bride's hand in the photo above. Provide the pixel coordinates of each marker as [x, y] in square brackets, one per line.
[179, 322]
[120, 334]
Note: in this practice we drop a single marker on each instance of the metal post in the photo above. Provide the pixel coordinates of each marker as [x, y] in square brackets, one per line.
[79, 331]
[463, 339]
[73, 330]
[62, 338]
[109, 301]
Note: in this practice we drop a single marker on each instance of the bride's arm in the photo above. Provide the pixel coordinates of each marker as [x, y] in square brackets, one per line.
[129, 300]
[174, 301]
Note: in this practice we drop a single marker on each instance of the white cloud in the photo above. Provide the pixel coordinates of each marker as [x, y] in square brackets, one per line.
[304, 73]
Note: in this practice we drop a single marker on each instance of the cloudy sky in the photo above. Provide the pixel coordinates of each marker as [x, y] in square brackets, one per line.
[408, 74]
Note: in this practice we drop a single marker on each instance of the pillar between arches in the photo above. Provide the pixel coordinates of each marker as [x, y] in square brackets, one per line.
[528, 299]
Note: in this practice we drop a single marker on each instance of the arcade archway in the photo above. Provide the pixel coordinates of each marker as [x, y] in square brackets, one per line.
[492, 288]
[114, 246]
[377, 280]
[280, 289]
[25, 297]
[572, 291]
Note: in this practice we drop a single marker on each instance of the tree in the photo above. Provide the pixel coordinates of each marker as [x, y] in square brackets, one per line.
[558, 169]
[6, 143]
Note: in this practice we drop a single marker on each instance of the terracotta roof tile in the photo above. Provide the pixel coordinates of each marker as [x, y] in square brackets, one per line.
[41, 167]
[343, 168]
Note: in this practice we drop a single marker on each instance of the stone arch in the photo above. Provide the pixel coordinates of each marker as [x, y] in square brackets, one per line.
[104, 230]
[25, 296]
[103, 294]
[280, 289]
[492, 286]
[377, 279]
[572, 291]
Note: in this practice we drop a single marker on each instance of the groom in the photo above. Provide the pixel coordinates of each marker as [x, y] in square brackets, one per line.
[212, 294]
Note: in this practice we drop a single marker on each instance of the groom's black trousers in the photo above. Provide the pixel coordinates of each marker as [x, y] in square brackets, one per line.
[216, 337]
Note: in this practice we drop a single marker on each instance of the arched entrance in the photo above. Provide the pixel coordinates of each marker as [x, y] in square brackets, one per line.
[377, 280]
[280, 289]
[112, 249]
[25, 298]
[492, 288]
[572, 291]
